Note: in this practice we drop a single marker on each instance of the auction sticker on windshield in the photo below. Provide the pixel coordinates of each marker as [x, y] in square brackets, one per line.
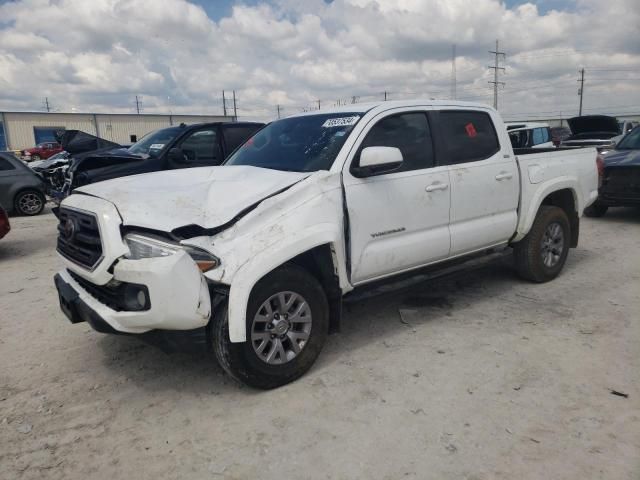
[340, 122]
[156, 146]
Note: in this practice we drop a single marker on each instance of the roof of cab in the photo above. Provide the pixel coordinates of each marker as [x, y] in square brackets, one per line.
[366, 107]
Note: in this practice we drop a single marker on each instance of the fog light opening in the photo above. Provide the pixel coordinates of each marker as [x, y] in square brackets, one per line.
[136, 298]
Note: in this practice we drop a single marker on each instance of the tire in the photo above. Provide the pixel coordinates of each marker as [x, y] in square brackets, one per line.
[29, 202]
[244, 362]
[596, 210]
[540, 256]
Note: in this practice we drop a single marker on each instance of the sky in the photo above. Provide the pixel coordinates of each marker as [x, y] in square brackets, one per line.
[286, 55]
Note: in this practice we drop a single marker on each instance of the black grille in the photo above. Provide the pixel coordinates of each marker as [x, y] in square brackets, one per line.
[79, 237]
[119, 297]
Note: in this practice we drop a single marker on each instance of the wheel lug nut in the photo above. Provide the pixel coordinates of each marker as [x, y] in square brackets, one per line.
[273, 336]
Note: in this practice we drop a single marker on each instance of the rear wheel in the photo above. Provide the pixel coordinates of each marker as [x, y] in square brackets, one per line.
[596, 210]
[540, 256]
[287, 324]
[29, 202]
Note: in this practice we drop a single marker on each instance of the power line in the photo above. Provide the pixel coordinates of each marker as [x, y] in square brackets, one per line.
[496, 69]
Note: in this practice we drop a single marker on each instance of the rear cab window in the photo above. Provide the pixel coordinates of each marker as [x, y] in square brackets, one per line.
[467, 136]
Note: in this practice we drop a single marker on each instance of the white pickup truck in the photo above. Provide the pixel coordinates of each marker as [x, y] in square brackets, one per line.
[258, 253]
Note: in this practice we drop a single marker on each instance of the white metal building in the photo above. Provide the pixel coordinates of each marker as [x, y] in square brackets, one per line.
[20, 130]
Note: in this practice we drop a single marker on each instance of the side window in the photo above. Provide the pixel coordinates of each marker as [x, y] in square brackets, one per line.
[468, 136]
[6, 165]
[408, 132]
[519, 138]
[202, 147]
[538, 136]
[236, 136]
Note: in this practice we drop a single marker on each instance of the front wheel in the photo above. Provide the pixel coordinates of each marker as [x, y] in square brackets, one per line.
[29, 202]
[287, 324]
[540, 256]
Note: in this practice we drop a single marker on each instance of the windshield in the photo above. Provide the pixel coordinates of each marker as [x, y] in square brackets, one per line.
[298, 144]
[631, 141]
[154, 142]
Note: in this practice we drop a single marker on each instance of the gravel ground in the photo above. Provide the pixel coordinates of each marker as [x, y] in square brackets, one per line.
[481, 376]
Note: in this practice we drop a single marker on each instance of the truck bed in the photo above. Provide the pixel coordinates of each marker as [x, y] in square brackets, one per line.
[545, 170]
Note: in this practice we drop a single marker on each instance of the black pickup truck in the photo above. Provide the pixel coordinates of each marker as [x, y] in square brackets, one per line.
[183, 146]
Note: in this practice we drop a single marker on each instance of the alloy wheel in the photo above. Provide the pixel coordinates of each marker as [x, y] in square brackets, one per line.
[281, 328]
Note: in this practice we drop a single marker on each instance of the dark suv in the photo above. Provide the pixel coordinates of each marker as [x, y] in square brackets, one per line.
[183, 146]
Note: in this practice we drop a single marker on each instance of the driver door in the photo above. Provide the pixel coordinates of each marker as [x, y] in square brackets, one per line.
[398, 220]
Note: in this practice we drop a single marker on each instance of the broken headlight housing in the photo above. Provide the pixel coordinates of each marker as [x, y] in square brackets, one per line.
[143, 246]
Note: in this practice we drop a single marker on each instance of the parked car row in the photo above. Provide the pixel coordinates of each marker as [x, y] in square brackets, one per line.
[254, 258]
[83, 158]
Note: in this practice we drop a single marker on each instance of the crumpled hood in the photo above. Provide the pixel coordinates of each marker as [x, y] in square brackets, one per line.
[208, 197]
[622, 158]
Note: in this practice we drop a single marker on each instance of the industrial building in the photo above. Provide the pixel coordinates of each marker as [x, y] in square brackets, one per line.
[19, 130]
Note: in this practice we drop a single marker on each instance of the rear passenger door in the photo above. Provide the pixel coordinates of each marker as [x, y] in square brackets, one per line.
[484, 180]
[398, 220]
[235, 135]
[200, 148]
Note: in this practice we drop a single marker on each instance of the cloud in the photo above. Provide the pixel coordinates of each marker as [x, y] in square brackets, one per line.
[96, 56]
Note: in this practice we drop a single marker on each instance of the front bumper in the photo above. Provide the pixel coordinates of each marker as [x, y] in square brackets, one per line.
[178, 293]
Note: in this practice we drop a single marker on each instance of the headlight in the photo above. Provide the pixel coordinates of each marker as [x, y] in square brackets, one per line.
[141, 246]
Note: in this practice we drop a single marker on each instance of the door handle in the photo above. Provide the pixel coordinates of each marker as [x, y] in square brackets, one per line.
[503, 176]
[436, 186]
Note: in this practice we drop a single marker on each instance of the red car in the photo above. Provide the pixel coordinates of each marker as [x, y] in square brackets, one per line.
[4, 222]
[41, 151]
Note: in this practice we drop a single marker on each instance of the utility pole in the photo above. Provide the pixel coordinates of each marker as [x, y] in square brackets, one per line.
[581, 91]
[235, 110]
[224, 104]
[278, 109]
[385, 95]
[46, 104]
[453, 72]
[318, 104]
[496, 68]
[138, 104]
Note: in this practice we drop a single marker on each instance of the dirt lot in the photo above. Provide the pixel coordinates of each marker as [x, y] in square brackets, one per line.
[488, 377]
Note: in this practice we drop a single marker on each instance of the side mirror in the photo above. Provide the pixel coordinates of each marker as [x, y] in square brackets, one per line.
[177, 155]
[378, 160]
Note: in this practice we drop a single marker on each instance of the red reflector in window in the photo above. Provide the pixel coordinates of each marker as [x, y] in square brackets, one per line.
[471, 130]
